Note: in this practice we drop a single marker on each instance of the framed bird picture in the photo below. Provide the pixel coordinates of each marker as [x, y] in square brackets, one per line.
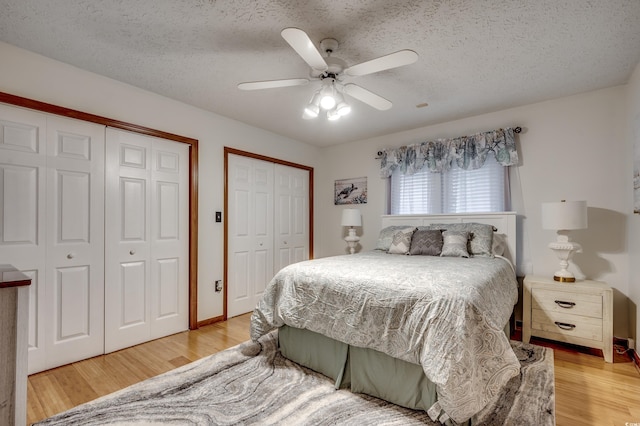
[350, 191]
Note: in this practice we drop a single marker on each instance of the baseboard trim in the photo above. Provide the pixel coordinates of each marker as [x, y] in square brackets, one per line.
[210, 321]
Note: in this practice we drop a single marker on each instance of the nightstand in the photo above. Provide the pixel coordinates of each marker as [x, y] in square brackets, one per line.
[580, 313]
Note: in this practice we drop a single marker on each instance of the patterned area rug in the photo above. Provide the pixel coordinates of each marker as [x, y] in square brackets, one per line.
[253, 384]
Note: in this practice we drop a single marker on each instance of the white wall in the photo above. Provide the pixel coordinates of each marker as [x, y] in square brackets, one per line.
[25, 74]
[572, 148]
[634, 219]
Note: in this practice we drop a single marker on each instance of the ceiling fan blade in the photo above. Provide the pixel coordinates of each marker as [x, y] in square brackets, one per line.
[369, 98]
[392, 60]
[301, 43]
[271, 84]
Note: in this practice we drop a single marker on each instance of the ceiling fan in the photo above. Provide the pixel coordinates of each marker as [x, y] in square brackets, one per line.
[331, 71]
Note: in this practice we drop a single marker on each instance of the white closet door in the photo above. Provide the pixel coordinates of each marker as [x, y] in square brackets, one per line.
[146, 251]
[23, 160]
[169, 238]
[75, 241]
[291, 215]
[250, 232]
[52, 177]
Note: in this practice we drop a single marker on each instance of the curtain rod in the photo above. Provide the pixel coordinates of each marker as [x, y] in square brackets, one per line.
[516, 129]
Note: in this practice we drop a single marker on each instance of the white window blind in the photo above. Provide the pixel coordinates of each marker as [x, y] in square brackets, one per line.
[454, 191]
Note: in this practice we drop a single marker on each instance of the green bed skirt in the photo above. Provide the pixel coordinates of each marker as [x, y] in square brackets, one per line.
[362, 370]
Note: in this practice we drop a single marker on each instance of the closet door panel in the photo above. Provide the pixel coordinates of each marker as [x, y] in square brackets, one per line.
[23, 160]
[147, 249]
[75, 241]
[19, 186]
[74, 205]
[169, 280]
[292, 215]
[250, 225]
[133, 310]
[169, 300]
[127, 250]
[72, 295]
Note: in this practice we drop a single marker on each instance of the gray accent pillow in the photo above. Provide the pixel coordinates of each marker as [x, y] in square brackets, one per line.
[386, 237]
[401, 241]
[481, 236]
[455, 244]
[426, 242]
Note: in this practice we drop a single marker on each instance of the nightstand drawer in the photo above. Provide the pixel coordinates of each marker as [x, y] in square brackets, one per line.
[562, 302]
[567, 325]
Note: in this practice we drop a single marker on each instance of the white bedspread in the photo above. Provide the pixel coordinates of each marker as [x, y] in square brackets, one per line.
[446, 314]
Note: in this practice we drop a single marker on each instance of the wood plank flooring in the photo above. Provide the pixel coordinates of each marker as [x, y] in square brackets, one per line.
[588, 390]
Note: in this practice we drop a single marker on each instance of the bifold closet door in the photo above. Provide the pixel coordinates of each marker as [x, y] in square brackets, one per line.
[51, 228]
[268, 226]
[75, 241]
[250, 229]
[291, 215]
[146, 250]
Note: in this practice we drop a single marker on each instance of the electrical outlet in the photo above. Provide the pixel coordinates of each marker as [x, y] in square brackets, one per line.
[631, 343]
[218, 285]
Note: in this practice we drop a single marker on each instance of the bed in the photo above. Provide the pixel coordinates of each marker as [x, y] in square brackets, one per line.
[422, 331]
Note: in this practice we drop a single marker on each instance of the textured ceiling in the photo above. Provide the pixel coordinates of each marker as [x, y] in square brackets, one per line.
[475, 56]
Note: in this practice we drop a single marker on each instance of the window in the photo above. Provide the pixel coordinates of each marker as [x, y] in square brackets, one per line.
[455, 191]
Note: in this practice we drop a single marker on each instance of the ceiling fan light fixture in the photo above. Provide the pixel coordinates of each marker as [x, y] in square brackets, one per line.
[332, 115]
[327, 101]
[311, 111]
[343, 108]
[328, 94]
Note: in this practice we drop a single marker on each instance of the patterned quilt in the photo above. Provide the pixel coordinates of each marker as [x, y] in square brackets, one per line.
[446, 314]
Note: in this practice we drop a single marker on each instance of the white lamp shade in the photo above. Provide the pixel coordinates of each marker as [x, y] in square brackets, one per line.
[564, 215]
[351, 217]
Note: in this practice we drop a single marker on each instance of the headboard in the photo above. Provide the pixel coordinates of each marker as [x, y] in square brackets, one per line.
[504, 222]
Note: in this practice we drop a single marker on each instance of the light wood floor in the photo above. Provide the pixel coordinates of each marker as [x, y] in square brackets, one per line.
[588, 390]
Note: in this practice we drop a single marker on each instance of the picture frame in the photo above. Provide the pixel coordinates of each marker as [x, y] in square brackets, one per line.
[350, 191]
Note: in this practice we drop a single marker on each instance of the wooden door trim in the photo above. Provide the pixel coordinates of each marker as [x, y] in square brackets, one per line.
[227, 151]
[193, 175]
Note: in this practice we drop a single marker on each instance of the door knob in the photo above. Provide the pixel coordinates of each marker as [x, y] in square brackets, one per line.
[132, 252]
[71, 255]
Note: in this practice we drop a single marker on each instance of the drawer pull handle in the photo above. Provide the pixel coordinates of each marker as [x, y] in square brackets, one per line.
[565, 326]
[563, 304]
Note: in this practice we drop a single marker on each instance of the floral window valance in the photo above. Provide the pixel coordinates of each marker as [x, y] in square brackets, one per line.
[469, 152]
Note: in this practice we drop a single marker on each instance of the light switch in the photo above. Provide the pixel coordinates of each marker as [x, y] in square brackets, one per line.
[218, 216]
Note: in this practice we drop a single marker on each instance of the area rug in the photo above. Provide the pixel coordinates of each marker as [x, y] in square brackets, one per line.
[252, 384]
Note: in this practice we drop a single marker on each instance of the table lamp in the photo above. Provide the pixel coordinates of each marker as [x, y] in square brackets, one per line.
[564, 216]
[351, 218]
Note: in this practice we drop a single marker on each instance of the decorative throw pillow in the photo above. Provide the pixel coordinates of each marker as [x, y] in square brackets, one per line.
[455, 244]
[386, 236]
[426, 242]
[401, 241]
[480, 236]
[499, 245]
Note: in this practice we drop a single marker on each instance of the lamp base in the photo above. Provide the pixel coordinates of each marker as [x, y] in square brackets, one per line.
[352, 240]
[564, 279]
[564, 250]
